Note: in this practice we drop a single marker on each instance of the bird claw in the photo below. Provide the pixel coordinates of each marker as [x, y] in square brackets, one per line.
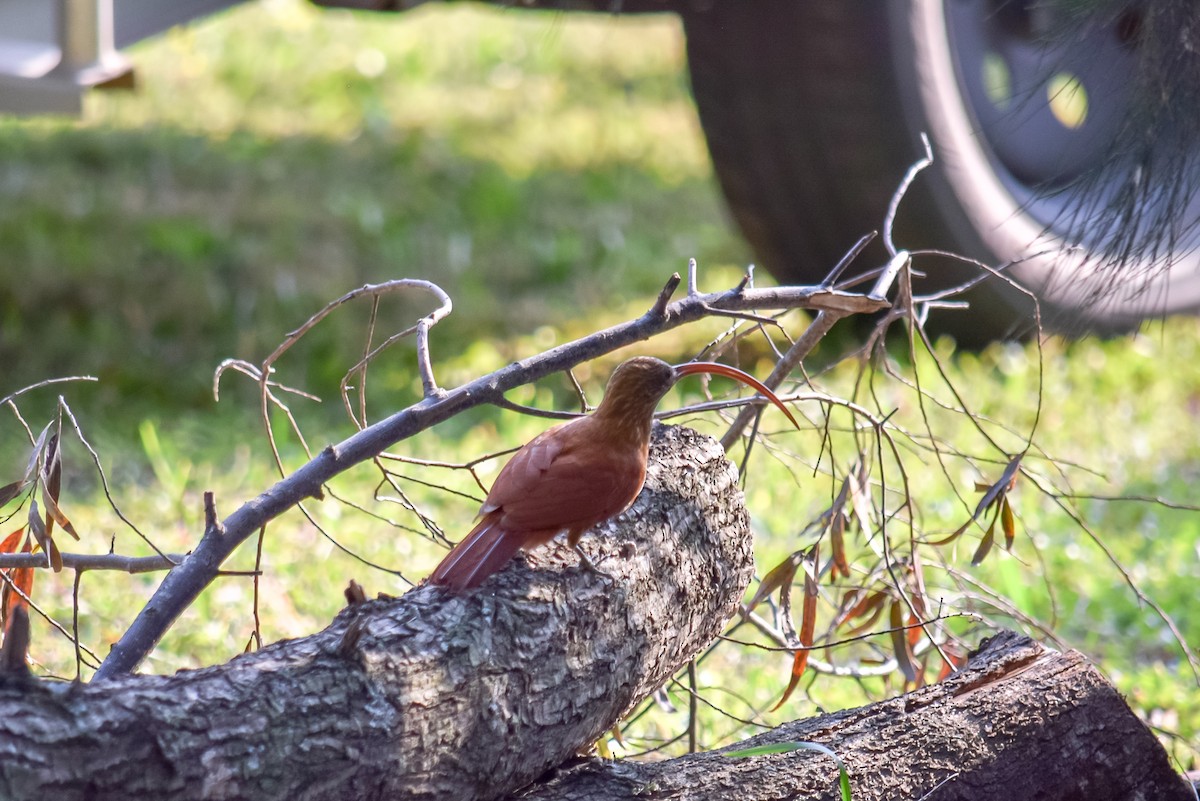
[591, 568]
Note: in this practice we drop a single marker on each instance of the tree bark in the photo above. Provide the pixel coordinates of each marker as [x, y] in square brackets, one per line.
[1019, 722]
[429, 696]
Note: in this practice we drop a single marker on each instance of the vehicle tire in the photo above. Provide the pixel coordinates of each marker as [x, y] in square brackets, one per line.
[813, 111]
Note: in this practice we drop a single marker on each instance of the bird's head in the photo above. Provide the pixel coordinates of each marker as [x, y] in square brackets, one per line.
[638, 384]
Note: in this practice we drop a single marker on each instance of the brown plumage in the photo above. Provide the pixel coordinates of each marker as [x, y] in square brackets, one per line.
[574, 475]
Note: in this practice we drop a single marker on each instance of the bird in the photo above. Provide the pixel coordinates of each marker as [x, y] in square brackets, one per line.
[574, 475]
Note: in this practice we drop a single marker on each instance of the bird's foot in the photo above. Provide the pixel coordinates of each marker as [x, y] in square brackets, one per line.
[590, 567]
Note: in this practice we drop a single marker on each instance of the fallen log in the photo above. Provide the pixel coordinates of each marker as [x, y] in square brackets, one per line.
[429, 696]
[1019, 722]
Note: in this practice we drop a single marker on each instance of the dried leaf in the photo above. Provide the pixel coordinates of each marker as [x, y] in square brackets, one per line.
[837, 523]
[870, 621]
[52, 467]
[12, 541]
[615, 733]
[808, 622]
[904, 657]
[860, 496]
[783, 614]
[22, 577]
[1007, 523]
[38, 529]
[864, 602]
[55, 514]
[56, 562]
[35, 456]
[10, 491]
[914, 632]
[948, 539]
[50, 474]
[995, 491]
[918, 604]
[985, 545]
[778, 577]
[837, 540]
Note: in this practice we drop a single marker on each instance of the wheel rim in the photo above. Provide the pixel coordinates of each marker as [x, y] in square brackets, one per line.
[1049, 101]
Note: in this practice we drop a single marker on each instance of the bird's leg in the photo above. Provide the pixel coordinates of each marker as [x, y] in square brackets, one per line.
[573, 541]
[590, 567]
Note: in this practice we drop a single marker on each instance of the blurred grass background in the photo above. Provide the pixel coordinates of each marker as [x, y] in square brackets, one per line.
[548, 171]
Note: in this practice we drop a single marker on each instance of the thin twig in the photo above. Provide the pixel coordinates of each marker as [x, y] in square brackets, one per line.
[897, 196]
[848, 258]
[104, 483]
[75, 624]
[693, 708]
[8, 399]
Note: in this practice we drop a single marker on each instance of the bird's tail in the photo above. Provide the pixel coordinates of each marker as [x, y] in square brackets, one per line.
[481, 553]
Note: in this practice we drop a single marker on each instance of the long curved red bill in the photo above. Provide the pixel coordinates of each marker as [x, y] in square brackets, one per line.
[715, 368]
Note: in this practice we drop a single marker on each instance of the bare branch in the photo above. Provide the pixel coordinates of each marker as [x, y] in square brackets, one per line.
[95, 561]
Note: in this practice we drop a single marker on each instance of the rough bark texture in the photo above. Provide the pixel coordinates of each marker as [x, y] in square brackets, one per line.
[1020, 722]
[430, 696]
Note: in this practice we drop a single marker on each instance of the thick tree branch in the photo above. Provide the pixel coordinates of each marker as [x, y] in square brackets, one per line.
[429, 696]
[1019, 721]
[183, 584]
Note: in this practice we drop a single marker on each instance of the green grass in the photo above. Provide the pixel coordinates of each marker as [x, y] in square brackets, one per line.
[548, 171]
[259, 172]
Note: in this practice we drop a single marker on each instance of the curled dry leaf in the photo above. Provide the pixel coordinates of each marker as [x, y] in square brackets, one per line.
[808, 622]
[55, 515]
[850, 494]
[860, 495]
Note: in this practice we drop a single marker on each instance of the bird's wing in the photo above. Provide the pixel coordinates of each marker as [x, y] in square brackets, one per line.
[563, 480]
[526, 466]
